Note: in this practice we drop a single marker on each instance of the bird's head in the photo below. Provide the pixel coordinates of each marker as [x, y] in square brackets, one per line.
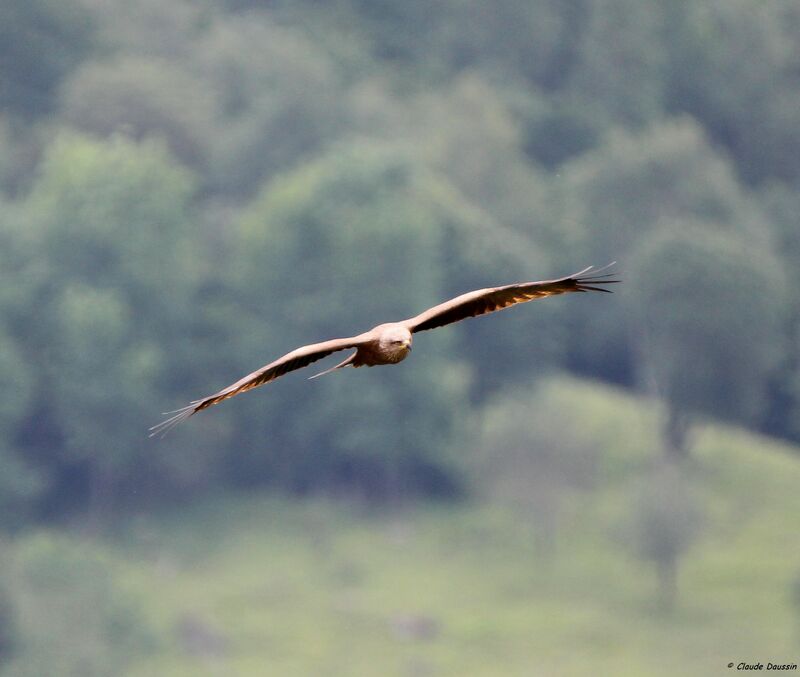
[395, 338]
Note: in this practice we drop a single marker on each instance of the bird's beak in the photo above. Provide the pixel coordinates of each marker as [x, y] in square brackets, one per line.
[407, 344]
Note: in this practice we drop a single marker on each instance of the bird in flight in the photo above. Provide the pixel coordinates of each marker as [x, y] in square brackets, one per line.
[390, 343]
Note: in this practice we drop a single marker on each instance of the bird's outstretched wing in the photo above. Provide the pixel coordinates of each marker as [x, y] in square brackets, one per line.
[297, 359]
[483, 301]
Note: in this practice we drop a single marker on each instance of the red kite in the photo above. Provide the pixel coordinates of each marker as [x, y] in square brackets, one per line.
[391, 342]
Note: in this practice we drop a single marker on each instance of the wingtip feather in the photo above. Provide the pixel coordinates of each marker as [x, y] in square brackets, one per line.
[597, 276]
[161, 429]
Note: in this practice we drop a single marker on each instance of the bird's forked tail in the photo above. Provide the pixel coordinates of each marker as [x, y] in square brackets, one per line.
[343, 363]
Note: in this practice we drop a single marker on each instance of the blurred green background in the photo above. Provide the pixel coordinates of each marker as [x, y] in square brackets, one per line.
[603, 485]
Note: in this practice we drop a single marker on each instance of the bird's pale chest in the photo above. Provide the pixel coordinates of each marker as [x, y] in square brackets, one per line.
[378, 353]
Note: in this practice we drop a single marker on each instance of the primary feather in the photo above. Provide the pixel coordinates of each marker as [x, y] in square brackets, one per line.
[391, 342]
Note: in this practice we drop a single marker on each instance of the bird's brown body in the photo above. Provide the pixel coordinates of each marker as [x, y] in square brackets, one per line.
[387, 344]
[390, 343]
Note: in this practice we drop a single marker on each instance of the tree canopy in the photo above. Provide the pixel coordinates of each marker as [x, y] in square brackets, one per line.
[189, 190]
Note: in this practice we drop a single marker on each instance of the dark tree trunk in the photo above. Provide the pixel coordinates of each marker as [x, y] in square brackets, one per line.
[667, 584]
[101, 492]
[545, 533]
[675, 432]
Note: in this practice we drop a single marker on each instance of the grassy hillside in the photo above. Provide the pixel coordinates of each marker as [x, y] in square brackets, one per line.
[269, 586]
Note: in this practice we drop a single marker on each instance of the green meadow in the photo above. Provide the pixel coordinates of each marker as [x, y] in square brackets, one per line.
[263, 585]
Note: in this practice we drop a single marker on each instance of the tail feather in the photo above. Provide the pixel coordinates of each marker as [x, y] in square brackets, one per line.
[344, 363]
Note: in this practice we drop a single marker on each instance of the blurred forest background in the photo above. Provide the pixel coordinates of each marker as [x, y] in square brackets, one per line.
[584, 485]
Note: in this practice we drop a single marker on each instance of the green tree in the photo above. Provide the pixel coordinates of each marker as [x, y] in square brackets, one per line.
[279, 99]
[618, 72]
[615, 194]
[150, 28]
[609, 200]
[666, 517]
[332, 249]
[559, 128]
[113, 265]
[439, 40]
[41, 41]
[103, 375]
[734, 67]
[142, 97]
[492, 171]
[21, 482]
[532, 459]
[8, 629]
[709, 311]
[500, 212]
[782, 204]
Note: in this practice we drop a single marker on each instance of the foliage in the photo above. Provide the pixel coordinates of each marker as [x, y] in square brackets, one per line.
[531, 456]
[783, 206]
[20, 481]
[139, 98]
[9, 637]
[74, 615]
[734, 67]
[332, 586]
[619, 61]
[40, 42]
[688, 344]
[278, 97]
[605, 200]
[666, 517]
[102, 295]
[189, 189]
[350, 162]
[615, 194]
[364, 217]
